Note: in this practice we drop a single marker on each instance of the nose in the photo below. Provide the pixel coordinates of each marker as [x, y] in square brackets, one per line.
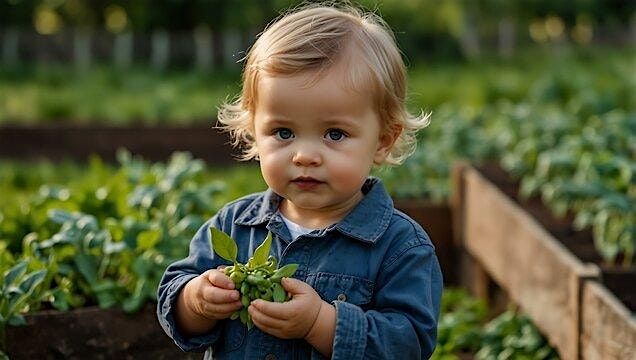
[306, 155]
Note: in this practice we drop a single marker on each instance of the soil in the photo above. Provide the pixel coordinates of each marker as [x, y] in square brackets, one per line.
[92, 333]
[619, 280]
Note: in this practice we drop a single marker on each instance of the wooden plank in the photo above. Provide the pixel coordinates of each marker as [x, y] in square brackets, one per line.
[457, 200]
[78, 142]
[536, 271]
[608, 328]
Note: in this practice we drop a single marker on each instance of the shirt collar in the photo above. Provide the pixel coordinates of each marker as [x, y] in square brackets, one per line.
[260, 210]
[376, 205]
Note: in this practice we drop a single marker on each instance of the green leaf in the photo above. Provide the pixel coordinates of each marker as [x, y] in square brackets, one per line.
[243, 315]
[286, 271]
[87, 266]
[60, 216]
[279, 293]
[60, 300]
[15, 272]
[133, 303]
[106, 299]
[262, 251]
[223, 245]
[32, 281]
[141, 266]
[148, 239]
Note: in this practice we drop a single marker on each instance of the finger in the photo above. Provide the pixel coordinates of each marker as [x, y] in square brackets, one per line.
[264, 321]
[295, 286]
[273, 309]
[222, 310]
[220, 296]
[219, 279]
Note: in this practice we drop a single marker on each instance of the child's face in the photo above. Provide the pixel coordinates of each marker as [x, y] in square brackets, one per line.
[317, 144]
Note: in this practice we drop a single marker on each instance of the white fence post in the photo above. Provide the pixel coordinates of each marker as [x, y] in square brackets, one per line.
[82, 52]
[506, 37]
[203, 47]
[160, 49]
[123, 50]
[469, 37]
[10, 42]
[232, 51]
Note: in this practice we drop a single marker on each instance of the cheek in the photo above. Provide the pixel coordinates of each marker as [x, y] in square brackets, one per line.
[346, 170]
[272, 162]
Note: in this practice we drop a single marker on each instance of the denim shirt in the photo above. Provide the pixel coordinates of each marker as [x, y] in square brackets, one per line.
[376, 266]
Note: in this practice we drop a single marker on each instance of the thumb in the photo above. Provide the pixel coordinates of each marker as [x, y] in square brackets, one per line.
[294, 286]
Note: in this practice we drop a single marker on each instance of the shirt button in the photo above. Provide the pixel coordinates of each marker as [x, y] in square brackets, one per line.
[270, 357]
[342, 297]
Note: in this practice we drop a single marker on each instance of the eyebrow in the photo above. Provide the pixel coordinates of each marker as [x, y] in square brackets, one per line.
[335, 122]
[276, 120]
[342, 121]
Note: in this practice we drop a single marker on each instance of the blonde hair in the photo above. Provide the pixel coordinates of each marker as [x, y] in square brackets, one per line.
[314, 38]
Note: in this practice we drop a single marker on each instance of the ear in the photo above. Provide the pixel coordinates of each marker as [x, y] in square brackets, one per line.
[385, 143]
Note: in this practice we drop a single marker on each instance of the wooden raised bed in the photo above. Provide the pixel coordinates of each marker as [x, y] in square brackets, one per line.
[608, 328]
[92, 333]
[543, 266]
[78, 142]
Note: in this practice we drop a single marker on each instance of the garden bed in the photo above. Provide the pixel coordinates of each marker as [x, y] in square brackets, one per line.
[92, 333]
[544, 265]
[78, 142]
[110, 333]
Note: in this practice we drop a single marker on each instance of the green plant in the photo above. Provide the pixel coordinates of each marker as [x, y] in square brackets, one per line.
[513, 336]
[105, 236]
[19, 285]
[460, 324]
[259, 278]
[463, 330]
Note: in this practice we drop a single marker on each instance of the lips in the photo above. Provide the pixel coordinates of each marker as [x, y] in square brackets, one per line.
[306, 182]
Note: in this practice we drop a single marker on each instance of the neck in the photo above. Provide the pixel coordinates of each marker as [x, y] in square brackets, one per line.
[318, 218]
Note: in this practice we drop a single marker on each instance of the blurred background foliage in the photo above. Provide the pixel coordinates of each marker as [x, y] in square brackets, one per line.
[446, 27]
[176, 60]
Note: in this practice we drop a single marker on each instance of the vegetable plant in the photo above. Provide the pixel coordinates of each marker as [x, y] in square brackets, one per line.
[259, 278]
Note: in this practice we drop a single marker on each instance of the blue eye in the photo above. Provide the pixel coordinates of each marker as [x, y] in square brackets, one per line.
[283, 134]
[335, 134]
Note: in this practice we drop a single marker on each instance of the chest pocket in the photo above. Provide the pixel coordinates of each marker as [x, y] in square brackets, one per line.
[351, 289]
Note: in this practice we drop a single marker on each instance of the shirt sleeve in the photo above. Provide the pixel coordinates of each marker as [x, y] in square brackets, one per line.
[200, 259]
[404, 316]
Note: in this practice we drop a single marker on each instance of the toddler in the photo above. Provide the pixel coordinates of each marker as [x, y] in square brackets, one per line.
[322, 103]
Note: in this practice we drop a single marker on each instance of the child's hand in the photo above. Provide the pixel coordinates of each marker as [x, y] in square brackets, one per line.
[292, 319]
[212, 295]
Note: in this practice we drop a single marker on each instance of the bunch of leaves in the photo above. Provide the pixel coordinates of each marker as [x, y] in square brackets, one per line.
[259, 278]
